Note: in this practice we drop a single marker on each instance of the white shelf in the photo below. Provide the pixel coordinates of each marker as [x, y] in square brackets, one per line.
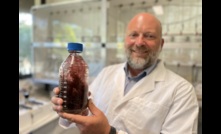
[64, 44]
[49, 44]
[183, 64]
[174, 45]
[46, 81]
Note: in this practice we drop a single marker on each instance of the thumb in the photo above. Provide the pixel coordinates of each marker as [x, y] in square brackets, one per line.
[94, 110]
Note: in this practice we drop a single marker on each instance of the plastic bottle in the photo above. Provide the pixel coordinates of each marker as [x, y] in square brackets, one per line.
[73, 80]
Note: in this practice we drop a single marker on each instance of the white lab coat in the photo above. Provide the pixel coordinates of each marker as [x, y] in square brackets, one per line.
[160, 103]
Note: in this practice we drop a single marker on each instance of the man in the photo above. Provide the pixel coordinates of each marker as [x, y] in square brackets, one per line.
[139, 96]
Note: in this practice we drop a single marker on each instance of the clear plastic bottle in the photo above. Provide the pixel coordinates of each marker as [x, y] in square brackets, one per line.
[73, 80]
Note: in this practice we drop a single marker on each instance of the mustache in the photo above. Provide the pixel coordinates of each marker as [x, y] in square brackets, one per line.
[140, 48]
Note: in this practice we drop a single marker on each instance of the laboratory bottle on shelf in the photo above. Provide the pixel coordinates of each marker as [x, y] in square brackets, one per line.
[73, 80]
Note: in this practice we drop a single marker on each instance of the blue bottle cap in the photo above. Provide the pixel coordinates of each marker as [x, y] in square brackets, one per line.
[75, 46]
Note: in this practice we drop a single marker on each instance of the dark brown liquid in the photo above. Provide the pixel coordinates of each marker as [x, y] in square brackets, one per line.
[73, 84]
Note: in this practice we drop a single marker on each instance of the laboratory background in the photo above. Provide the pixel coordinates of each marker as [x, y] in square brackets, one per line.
[45, 27]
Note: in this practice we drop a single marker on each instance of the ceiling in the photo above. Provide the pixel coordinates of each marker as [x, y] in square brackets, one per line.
[25, 5]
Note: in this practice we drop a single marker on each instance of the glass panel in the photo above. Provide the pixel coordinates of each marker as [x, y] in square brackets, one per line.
[67, 22]
[25, 31]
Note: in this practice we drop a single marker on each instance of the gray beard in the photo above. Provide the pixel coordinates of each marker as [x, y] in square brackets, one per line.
[142, 63]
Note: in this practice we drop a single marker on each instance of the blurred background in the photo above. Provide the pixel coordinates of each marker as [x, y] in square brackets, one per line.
[45, 27]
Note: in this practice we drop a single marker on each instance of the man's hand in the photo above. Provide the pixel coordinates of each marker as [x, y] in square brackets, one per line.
[97, 123]
[57, 102]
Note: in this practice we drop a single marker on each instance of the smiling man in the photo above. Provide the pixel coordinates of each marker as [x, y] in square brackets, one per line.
[139, 96]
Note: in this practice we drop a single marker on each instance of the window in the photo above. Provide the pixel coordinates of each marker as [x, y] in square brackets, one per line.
[25, 43]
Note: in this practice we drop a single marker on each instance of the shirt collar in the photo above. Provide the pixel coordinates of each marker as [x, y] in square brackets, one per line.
[141, 74]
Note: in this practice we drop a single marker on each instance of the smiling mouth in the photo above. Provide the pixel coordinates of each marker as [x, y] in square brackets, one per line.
[140, 51]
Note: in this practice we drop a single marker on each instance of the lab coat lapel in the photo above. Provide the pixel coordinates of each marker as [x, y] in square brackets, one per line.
[119, 83]
[140, 88]
[120, 80]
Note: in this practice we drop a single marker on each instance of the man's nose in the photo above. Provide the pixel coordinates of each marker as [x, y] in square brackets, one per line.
[139, 40]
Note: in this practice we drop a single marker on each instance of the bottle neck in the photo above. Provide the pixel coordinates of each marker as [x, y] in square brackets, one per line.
[74, 52]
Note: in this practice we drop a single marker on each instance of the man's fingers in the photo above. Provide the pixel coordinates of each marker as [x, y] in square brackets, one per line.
[94, 110]
[79, 119]
[56, 90]
[56, 100]
[85, 112]
[57, 104]
[57, 108]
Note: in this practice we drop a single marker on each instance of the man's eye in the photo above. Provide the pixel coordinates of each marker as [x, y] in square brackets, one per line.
[149, 36]
[133, 35]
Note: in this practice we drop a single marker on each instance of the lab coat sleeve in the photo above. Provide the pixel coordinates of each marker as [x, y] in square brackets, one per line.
[183, 115]
[64, 123]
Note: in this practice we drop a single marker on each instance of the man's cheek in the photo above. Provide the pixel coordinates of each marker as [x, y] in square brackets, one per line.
[129, 41]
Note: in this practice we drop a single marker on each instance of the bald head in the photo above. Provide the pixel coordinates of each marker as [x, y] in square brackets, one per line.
[145, 20]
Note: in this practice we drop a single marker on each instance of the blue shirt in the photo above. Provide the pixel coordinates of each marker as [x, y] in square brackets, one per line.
[130, 81]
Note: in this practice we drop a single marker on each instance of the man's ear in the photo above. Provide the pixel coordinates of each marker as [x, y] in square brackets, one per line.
[162, 43]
